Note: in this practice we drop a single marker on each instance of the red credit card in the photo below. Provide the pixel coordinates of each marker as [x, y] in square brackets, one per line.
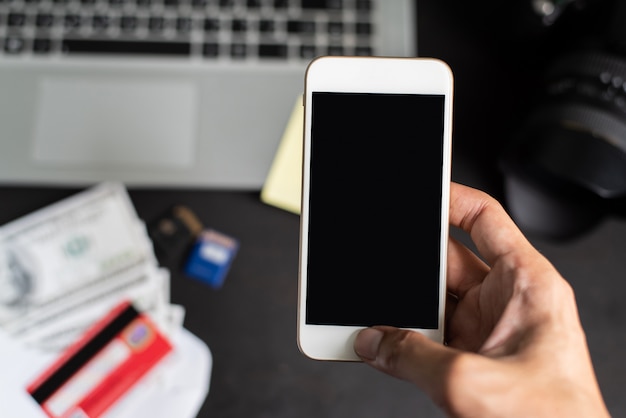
[99, 368]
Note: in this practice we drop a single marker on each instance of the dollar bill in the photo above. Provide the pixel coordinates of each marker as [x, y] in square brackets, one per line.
[74, 246]
[54, 329]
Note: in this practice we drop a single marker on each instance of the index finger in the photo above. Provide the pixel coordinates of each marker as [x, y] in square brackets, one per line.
[486, 221]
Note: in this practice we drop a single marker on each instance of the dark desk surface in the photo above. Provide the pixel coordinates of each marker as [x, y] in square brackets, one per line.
[250, 324]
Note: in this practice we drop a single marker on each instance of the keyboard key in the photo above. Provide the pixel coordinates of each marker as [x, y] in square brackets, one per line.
[322, 4]
[44, 20]
[266, 26]
[363, 51]
[128, 23]
[335, 28]
[281, 4]
[100, 22]
[335, 50]
[156, 24]
[363, 28]
[184, 24]
[73, 46]
[72, 21]
[273, 51]
[15, 19]
[210, 49]
[308, 51]
[239, 25]
[364, 5]
[299, 26]
[41, 45]
[13, 45]
[211, 25]
[238, 50]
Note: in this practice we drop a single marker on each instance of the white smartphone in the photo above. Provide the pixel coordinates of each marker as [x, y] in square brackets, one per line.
[375, 200]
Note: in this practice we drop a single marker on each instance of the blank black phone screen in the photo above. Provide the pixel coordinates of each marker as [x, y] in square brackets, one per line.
[375, 209]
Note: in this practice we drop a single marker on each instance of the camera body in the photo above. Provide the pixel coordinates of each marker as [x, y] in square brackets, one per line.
[565, 166]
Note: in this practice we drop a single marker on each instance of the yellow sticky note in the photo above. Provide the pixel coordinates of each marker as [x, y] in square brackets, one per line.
[283, 185]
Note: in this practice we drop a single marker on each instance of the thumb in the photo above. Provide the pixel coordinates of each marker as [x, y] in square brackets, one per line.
[407, 355]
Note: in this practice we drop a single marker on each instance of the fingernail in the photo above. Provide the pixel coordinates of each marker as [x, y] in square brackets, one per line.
[367, 342]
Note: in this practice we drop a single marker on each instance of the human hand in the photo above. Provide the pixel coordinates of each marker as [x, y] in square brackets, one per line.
[514, 343]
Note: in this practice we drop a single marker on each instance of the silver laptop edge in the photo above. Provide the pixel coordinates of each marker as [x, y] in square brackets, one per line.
[152, 122]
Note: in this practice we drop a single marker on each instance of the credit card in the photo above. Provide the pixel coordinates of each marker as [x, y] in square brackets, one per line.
[100, 367]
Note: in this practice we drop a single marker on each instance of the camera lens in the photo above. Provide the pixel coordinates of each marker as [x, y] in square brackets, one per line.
[567, 162]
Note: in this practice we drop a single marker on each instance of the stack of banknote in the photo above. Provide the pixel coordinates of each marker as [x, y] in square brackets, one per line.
[67, 264]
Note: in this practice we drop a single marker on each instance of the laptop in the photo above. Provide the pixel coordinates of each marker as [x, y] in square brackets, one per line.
[169, 93]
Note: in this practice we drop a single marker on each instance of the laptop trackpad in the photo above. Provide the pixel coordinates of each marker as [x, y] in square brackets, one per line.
[109, 122]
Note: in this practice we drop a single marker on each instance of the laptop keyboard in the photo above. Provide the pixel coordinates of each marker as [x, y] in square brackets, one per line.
[235, 30]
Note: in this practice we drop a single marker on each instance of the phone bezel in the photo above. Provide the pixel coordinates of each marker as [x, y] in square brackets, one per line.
[368, 75]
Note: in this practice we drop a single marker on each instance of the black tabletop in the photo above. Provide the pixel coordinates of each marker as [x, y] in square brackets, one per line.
[250, 323]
